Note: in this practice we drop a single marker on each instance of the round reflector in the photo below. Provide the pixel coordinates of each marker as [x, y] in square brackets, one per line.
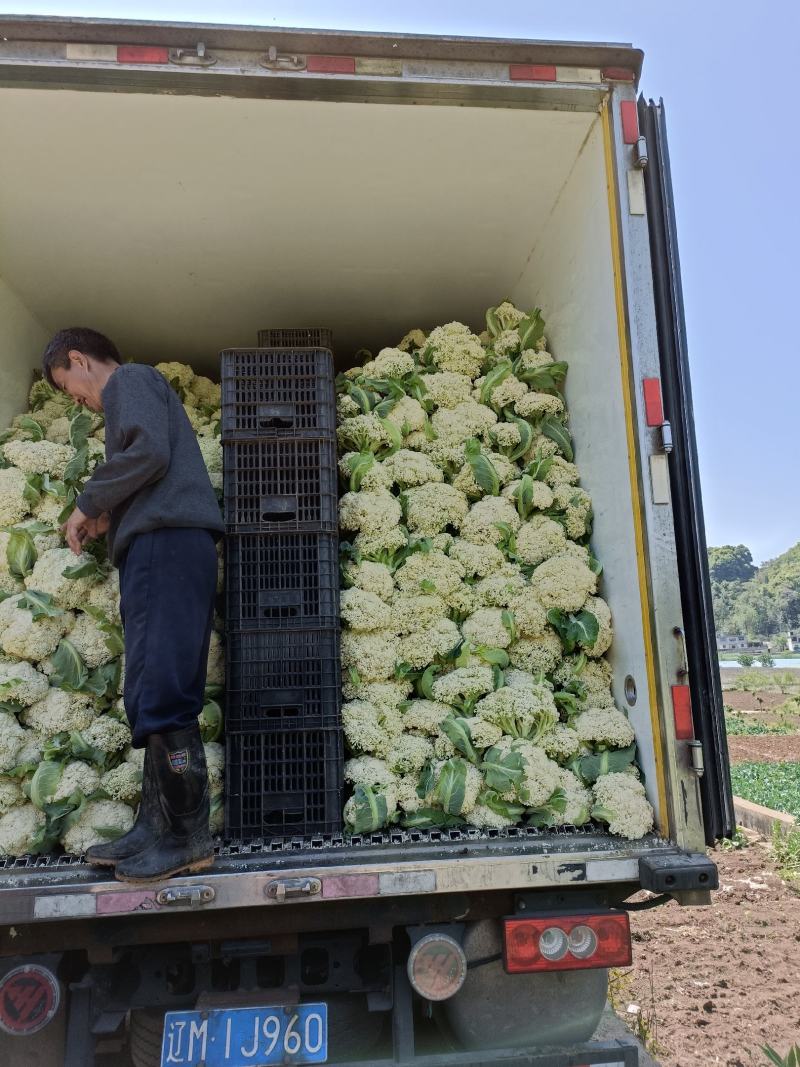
[553, 943]
[437, 967]
[582, 942]
[29, 998]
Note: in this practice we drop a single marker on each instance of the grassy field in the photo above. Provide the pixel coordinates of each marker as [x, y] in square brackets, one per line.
[774, 785]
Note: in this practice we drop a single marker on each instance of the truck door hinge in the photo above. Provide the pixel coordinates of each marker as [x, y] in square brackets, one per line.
[192, 57]
[291, 888]
[275, 60]
[183, 896]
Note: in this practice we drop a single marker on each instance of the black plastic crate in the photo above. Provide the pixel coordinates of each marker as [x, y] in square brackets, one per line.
[282, 783]
[298, 337]
[277, 392]
[282, 678]
[279, 484]
[281, 580]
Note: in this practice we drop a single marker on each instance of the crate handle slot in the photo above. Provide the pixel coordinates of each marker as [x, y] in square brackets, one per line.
[275, 416]
[280, 604]
[278, 508]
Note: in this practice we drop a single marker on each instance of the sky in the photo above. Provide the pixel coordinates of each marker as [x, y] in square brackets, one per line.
[724, 71]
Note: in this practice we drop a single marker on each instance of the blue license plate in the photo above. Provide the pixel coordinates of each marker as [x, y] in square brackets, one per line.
[245, 1037]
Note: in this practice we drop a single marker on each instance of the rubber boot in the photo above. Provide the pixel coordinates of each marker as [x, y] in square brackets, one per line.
[183, 841]
[143, 832]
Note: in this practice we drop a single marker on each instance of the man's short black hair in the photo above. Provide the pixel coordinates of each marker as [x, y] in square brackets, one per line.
[79, 339]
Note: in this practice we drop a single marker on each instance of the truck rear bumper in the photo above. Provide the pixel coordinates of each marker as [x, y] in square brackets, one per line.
[385, 865]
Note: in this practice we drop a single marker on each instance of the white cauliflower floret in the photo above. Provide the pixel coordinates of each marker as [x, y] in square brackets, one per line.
[472, 786]
[204, 392]
[540, 539]
[561, 473]
[604, 728]
[536, 405]
[108, 734]
[619, 800]
[11, 794]
[90, 641]
[536, 654]
[524, 713]
[48, 509]
[433, 506]
[541, 776]
[500, 588]
[413, 339]
[601, 611]
[181, 373]
[25, 638]
[383, 694]
[485, 627]
[406, 468]
[12, 738]
[215, 672]
[362, 433]
[96, 824]
[211, 451]
[215, 765]
[39, 457]
[508, 393]
[390, 540]
[58, 711]
[563, 582]
[371, 513]
[372, 578]
[47, 576]
[517, 679]
[389, 794]
[31, 752]
[447, 389]
[13, 505]
[456, 348]
[595, 676]
[464, 683]
[578, 801]
[407, 797]
[542, 495]
[462, 600]
[505, 436]
[408, 415]
[123, 782]
[22, 683]
[135, 756]
[465, 480]
[363, 611]
[393, 363]
[346, 407]
[435, 567]
[105, 597]
[368, 728]
[533, 358]
[376, 479]
[76, 775]
[478, 561]
[577, 507]
[561, 743]
[366, 770]
[484, 734]
[372, 655]
[18, 828]
[425, 716]
[467, 419]
[410, 612]
[485, 818]
[421, 648]
[530, 618]
[409, 754]
[480, 525]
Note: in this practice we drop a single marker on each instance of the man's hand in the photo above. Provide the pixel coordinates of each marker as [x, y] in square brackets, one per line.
[79, 528]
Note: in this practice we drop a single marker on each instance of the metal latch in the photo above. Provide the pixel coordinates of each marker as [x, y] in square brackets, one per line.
[183, 896]
[192, 57]
[698, 760]
[288, 888]
[275, 60]
[666, 436]
[640, 153]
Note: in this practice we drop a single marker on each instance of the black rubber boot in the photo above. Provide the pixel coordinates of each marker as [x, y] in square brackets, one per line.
[144, 831]
[183, 842]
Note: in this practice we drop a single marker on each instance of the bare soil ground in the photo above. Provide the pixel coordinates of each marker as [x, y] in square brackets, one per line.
[714, 984]
[765, 748]
[742, 700]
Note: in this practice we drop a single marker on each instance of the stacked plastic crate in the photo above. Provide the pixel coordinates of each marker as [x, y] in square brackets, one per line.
[283, 729]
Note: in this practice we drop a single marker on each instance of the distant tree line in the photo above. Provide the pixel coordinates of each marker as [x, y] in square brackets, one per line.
[754, 601]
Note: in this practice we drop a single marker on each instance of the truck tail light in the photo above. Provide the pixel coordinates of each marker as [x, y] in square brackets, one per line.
[437, 967]
[566, 942]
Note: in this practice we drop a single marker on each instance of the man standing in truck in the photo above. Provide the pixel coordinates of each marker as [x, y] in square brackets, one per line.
[153, 500]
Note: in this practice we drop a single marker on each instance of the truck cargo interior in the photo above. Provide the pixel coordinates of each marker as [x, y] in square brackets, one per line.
[190, 223]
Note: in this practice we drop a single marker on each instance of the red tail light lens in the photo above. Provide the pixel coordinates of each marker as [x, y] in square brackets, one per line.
[566, 942]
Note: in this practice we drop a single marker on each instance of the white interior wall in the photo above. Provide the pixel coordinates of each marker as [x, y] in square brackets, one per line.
[570, 275]
[22, 340]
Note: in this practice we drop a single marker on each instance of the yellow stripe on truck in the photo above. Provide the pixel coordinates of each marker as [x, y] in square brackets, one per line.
[627, 397]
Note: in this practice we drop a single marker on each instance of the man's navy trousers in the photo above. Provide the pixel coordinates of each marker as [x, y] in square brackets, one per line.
[168, 581]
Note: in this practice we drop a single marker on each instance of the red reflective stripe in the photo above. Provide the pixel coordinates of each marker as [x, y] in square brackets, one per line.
[653, 404]
[618, 74]
[531, 72]
[630, 121]
[682, 708]
[331, 64]
[141, 53]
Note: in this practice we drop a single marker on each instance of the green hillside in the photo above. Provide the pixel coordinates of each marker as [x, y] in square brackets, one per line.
[756, 601]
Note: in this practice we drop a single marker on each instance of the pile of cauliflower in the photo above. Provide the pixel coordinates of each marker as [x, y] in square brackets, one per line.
[68, 775]
[475, 685]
